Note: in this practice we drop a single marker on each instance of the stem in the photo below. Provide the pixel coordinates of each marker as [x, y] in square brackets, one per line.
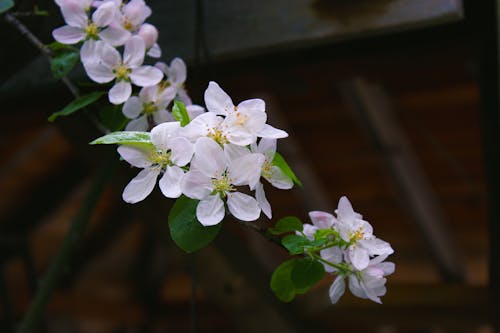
[61, 261]
[263, 232]
[337, 266]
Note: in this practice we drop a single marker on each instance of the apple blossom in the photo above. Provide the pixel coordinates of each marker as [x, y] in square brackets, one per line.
[149, 34]
[176, 75]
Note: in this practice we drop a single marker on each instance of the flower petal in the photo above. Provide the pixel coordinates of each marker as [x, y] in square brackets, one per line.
[260, 196]
[337, 289]
[246, 170]
[177, 72]
[255, 104]
[210, 211]
[115, 36]
[182, 151]
[74, 15]
[68, 35]
[135, 156]
[217, 100]
[345, 213]
[108, 55]
[132, 107]
[162, 134]
[322, 220]
[154, 51]
[140, 124]
[333, 255]
[272, 133]
[170, 183]
[359, 257]
[278, 178]
[134, 52]
[196, 185]
[243, 206]
[104, 14]
[98, 72]
[144, 76]
[120, 92]
[194, 110]
[162, 116]
[208, 158]
[141, 186]
[376, 246]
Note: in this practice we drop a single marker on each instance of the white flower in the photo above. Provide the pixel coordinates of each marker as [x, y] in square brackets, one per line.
[134, 13]
[149, 34]
[170, 153]
[247, 114]
[359, 233]
[80, 28]
[106, 64]
[151, 102]
[176, 75]
[214, 176]
[270, 172]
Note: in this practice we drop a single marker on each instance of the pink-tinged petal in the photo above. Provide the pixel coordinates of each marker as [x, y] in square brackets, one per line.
[177, 71]
[333, 255]
[196, 185]
[68, 35]
[210, 211]
[140, 124]
[141, 186]
[170, 183]
[246, 170]
[322, 220]
[358, 257]
[278, 179]
[264, 204]
[154, 51]
[98, 72]
[149, 34]
[145, 76]
[132, 107]
[162, 116]
[182, 151]
[387, 267]
[255, 104]
[162, 66]
[136, 12]
[162, 134]
[243, 206]
[345, 213]
[120, 92]
[108, 54]
[217, 100]
[355, 287]
[89, 52]
[184, 97]
[115, 36]
[135, 156]
[271, 133]
[376, 247]
[134, 52]
[337, 289]
[74, 15]
[309, 230]
[209, 158]
[166, 96]
[194, 111]
[104, 14]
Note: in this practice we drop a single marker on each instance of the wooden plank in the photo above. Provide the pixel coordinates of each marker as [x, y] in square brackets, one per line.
[373, 107]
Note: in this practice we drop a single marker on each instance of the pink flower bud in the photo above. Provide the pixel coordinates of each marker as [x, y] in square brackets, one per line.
[149, 34]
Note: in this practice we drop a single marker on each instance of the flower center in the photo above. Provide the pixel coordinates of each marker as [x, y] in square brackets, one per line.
[241, 119]
[91, 31]
[218, 136]
[357, 235]
[163, 85]
[223, 185]
[128, 25]
[149, 108]
[161, 158]
[266, 169]
[121, 72]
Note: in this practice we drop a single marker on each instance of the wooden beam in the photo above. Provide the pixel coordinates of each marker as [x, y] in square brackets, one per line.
[374, 109]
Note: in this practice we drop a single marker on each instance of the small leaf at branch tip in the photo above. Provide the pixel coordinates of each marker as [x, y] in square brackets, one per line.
[280, 162]
[77, 104]
[179, 112]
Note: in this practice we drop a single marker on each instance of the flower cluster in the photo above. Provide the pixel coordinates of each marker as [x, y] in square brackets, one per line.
[352, 252]
[211, 158]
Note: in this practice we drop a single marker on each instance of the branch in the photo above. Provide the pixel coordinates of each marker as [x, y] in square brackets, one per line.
[263, 232]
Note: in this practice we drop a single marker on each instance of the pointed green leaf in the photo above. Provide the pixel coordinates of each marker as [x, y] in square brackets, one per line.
[77, 104]
[286, 224]
[295, 244]
[130, 138]
[186, 231]
[63, 62]
[281, 281]
[306, 273]
[112, 117]
[5, 5]
[179, 112]
[280, 162]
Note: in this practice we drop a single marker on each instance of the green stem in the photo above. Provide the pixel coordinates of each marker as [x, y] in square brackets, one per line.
[61, 261]
[341, 268]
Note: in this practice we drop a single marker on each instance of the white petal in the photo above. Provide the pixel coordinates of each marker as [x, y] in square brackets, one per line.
[355, 287]
[68, 35]
[162, 116]
[196, 185]
[108, 54]
[278, 179]
[333, 255]
[163, 133]
[233, 152]
[252, 104]
[135, 50]
[387, 267]
[89, 52]
[184, 97]
[141, 186]
[177, 71]
[104, 14]
[345, 213]
[120, 92]
[182, 151]
[132, 107]
[194, 110]
[267, 147]
[359, 257]
[251, 120]
[209, 157]
[74, 15]
[240, 136]
[98, 72]
[217, 100]
[140, 124]
[210, 211]
[260, 196]
[135, 156]
[115, 36]
[337, 289]
[322, 220]
[149, 35]
[309, 230]
[154, 51]
[144, 76]
[170, 183]
[201, 125]
[246, 170]
[376, 246]
[272, 133]
[243, 206]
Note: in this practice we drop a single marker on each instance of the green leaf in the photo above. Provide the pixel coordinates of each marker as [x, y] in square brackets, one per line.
[179, 112]
[5, 5]
[77, 104]
[138, 139]
[186, 231]
[281, 281]
[280, 162]
[112, 117]
[295, 244]
[63, 62]
[286, 224]
[306, 273]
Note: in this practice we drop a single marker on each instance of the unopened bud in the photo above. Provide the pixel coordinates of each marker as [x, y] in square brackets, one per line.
[149, 34]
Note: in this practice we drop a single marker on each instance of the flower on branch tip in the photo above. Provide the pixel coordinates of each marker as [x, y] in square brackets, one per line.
[176, 75]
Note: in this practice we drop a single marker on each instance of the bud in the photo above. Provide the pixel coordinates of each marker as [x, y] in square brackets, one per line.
[149, 34]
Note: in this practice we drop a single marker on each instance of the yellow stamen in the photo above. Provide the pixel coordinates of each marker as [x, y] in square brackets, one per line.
[121, 72]
[218, 136]
[92, 31]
